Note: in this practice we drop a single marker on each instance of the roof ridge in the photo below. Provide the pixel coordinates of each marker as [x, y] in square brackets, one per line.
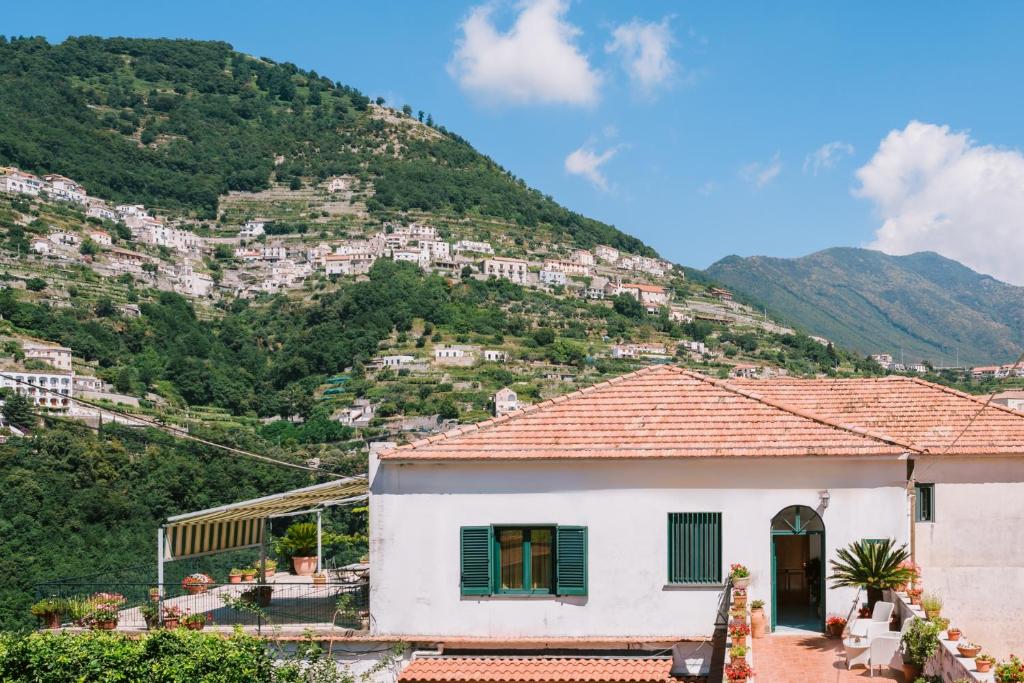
[860, 431]
[500, 419]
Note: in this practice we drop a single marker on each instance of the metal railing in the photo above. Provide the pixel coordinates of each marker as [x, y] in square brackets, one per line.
[287, 601]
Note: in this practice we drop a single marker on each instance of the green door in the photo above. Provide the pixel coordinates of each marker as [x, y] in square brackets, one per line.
[798, 520]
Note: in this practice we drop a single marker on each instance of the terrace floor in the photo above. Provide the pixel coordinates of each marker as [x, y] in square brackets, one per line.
[808, 659]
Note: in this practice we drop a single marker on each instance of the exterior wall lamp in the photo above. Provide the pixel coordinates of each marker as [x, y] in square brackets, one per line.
[823, 497]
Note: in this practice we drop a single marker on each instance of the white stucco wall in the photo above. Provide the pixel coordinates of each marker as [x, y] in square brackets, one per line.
[416, 511]
[972, 555]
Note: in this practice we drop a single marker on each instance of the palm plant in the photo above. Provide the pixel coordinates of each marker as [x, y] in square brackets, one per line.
[871, 565]
[298, 541]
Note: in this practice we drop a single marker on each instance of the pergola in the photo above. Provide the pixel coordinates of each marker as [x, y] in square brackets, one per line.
[244, 524]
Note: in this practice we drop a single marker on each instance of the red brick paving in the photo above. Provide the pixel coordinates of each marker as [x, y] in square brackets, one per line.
[808, 659]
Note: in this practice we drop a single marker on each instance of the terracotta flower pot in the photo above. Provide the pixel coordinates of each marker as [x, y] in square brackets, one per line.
[953, 634]
[195, 588]
[52, 620]
[739, 600]
[249, 577]
[836, 630]
[235, 578]
[968, 652]
[170, 622]
[757, 623]
[319, 580]
[271, 572]
[195, 625]
[982, 665]
[304, 566]
[105, 625]
[911, 671]
[932, 614]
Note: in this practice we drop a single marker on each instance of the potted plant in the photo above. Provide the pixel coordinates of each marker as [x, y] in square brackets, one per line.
[49, 611]
[835, 624]
[196, 583]
[968, 650]
[270, 565]
[738, 670]
[154, 594]
[953, 633]
[758, 623]
[738, 612]
[915, 596]
[737, 652]
[914, 570]
[249, 574]
[235, 576]
[1011, 671]
[984, 663]
[874, 566]
[299, 543]
[319, 578]
[739, 575]
[258, 595]
[172, 615]
[103, 616]
[194, 622]
[931, 604]
[739, 597]
[739, 630]
[150, 612]
[918, 644]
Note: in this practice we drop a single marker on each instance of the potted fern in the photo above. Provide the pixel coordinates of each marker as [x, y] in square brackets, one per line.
[299, 543]
[874, 566]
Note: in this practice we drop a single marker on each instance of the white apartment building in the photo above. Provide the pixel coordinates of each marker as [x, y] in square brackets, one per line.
[65, 189]
[53, 354]
[50, 389]
[567, 267]
[252, 229]
[101, 211]
[437, 250]
[274, 252]
[552, 277]
[507, 268]
[101, 237]
[495, 356]
[473, 247]
[505, 401]
[20, 182]
[583, 257]
[606, 253]
[348, 264]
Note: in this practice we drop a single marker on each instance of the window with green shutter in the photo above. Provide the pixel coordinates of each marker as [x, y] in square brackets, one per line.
[524, 560]
[924, 502]
[695, 547]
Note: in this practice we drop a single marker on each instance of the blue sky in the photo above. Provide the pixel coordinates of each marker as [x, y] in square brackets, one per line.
[694, 126]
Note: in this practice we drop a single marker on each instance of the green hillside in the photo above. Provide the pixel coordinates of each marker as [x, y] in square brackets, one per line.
[175, 124]
[927, 305]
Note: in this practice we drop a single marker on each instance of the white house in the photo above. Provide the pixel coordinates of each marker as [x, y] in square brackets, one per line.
[507, 268]
[505, 401]
[473, 247]
[455, 355]
[348, 264]
[583, 257]
[41, 245]
[552, 277]
[651, 296]
[20, 182]
[252, 229]
[418, 256]
[275, 252]
[612, 514]
[101, 237]
[567, 267]
[1013, 399]
[65, 189]
[53, 354]
[495, 356]
[98, 209]
[606, 253]
[437, 250]
[50, 389]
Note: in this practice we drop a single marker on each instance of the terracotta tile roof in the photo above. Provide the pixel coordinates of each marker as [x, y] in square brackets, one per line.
[537, 670]
[929, 417]
[654, 289]
[658, 412]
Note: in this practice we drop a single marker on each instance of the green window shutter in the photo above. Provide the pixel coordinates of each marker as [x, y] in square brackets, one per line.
[925, 502]
[695, 547]
[475, 560]
[571, 560]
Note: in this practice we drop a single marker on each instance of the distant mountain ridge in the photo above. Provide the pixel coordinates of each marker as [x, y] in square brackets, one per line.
[924, 305]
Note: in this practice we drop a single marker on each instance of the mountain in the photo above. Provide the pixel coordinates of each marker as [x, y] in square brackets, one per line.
[922, 304]
[176, 124]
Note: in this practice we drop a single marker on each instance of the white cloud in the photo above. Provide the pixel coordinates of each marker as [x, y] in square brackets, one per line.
[937, 190]
[708, 188]
[535, 61]
[761, 173]
[587, 163]
[644, 50]
[827, 156]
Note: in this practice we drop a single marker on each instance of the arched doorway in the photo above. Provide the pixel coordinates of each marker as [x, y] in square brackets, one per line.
[798, 570]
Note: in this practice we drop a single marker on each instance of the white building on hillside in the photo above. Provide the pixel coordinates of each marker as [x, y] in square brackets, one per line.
[614, 513]
[505, 401]
[19, 182]
[606, 253]
[507, 268]
[252, 229]
[49, 389]
[53, 354]
[464, 246]
[552, 277]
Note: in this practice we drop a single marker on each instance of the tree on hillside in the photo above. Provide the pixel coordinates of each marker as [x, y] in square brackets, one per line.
[18, 410]
[627, 305]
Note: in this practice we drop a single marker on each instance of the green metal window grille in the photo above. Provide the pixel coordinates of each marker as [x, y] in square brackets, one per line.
[924, 502]
[695, 547]
[534, 560]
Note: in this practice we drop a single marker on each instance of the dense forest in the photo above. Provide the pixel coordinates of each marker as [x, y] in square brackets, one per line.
[175, 124]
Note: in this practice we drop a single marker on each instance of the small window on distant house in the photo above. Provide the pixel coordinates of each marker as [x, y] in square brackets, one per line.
[925, 502]
[695, 547]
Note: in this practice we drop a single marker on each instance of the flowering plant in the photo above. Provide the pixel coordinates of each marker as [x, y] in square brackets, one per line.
[836, 620]
[115, 599]
[912, 567]
[101, 612]
[172, 612]
[1011, 671]
[985, 658]
[738, 670]
[197, 579]
[739, 629]
[738, 571]
[193, 618]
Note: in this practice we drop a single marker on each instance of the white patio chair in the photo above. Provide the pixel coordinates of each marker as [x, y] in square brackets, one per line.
[882, 613]
[882, 651]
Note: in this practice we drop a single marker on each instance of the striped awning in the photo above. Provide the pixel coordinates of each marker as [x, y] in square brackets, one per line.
[241, 525]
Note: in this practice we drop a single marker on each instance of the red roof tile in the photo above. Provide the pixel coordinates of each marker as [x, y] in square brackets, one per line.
[930, 417]
[658, 412]
[536, 670]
